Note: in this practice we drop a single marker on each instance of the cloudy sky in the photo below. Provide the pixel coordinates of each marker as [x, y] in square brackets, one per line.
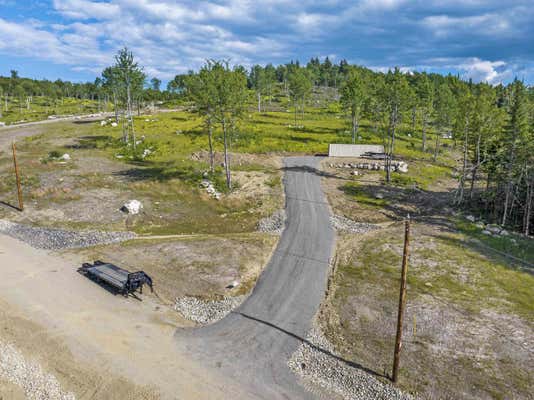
[489, 40]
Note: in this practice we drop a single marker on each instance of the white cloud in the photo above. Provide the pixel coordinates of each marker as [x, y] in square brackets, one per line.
[84, 9]
[486, 24]
[170, 36]
[484, 71]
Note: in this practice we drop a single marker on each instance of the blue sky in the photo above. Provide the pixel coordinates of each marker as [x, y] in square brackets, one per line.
[75, 39]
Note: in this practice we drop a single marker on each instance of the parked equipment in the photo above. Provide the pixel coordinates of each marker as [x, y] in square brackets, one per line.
[124, 281]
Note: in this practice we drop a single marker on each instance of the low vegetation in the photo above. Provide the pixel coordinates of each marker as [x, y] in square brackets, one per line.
[457, 295]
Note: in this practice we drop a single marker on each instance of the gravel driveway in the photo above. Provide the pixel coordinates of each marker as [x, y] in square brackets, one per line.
[253, 344]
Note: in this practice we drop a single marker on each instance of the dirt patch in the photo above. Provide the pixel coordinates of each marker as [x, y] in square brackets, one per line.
[74, 376]
[365, 197]
[196, 266]
[240, 160]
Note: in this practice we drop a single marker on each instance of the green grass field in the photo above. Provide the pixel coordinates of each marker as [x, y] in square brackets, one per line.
[43, 107]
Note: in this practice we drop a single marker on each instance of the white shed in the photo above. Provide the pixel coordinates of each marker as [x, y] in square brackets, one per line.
[353, 150]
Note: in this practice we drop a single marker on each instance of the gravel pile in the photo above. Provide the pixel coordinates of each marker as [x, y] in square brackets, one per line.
[342, 224]
[273, 224]
[319, 368]
[56, 239]
[36, 384]
[205, 312]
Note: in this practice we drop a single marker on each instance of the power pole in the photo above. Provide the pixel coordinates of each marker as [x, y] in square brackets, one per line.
[19, 190]
[402, 301]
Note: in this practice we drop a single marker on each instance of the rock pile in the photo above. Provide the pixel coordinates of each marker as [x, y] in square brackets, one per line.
[210, 189]
[494, 230]
[205, 312]
[396, 166]
[342, 224]
[273, 224]
[29, 376]
[316, 362]
[56, 239]
[488, 229]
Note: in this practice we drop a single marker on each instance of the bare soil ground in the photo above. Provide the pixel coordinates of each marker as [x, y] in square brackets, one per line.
[98, 345]
[201, 266]
[469, 326]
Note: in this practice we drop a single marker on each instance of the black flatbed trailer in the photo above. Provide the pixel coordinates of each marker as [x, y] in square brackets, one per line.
[120, 279]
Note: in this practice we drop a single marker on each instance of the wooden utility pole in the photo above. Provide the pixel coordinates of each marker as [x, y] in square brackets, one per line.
[19, 190]
[402, 301]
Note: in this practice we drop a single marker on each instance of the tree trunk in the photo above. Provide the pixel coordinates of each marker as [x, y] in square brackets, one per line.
[210, 141]
[130, 118]
[464, 166]
[226, 157]
[115, 107]
[475, 168]
[354, 126]
[414, 119]
[389, 151]
[528, 207]
[508, 193]
[423, 127]
[436, 149]
[259, 102]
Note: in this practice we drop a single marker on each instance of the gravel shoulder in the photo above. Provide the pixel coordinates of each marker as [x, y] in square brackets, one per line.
[58, 239]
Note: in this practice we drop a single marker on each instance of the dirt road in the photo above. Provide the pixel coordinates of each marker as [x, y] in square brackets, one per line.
[109, 335]
[252, 344]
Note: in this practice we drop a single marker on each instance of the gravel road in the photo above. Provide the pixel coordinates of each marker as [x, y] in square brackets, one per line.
[253, 343]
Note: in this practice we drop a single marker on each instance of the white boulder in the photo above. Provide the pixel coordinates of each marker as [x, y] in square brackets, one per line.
[114, 124]
[132, 207]
[494, 229]
[146, 152]
[103, 123]
[470, 218]
[65, 157]
[402, 167]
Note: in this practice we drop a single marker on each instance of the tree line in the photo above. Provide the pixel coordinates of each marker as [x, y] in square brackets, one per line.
[20, 90]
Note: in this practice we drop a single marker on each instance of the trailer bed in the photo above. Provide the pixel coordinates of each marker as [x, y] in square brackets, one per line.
[121, 279]
[111, 274]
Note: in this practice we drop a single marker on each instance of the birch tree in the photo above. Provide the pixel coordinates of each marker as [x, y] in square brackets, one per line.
[353, 97]
[397, 94]
[230, 95]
